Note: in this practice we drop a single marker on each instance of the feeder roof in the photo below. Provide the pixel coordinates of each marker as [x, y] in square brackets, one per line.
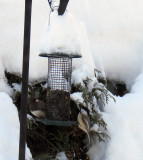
[58, 54]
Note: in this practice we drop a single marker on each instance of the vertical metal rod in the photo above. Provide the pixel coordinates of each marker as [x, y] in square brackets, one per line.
[25, 75]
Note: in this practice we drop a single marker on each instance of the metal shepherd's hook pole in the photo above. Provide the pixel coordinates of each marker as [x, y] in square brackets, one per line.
[25, 75]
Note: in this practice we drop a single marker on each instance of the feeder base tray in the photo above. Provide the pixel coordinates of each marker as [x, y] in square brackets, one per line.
[56, 123]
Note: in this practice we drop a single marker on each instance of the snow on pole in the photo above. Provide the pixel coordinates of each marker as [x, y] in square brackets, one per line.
[25, 73]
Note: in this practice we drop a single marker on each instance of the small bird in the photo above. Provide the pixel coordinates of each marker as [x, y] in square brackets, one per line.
[84, 122]
[37, 107]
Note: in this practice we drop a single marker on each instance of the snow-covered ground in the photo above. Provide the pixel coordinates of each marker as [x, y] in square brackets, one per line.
[125, 127]
[111, 39]
[9, 134]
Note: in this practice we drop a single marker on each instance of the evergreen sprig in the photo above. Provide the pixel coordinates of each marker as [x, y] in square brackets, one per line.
[93, 90]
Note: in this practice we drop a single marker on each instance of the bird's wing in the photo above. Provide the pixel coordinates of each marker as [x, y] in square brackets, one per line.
[82, 125]
[86, 121]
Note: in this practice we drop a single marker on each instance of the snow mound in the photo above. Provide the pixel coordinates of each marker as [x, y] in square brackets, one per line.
[125, 127]
[9, 122]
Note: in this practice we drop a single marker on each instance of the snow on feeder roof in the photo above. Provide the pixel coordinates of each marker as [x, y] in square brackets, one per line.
[61, 36]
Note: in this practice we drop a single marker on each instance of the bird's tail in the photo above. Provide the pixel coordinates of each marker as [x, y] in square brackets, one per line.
[89, 138]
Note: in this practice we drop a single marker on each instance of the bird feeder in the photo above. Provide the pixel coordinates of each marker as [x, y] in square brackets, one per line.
[59, 85]
[59, 72]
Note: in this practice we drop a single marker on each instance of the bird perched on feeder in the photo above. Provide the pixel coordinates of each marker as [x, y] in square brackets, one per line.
[37, 107]
[59, 5]
[84, 121]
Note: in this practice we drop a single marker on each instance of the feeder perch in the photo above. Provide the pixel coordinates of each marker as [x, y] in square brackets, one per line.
[59, 86]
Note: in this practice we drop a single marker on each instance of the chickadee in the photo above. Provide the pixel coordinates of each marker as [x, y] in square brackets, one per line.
[84, 122]
[37, 107]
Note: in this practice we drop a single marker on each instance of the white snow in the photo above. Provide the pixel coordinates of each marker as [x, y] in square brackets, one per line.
[115, 33]
[125, 127]
[95, 128]
[16, 87]
[77, 96]
[61, 156]
[3, 82]
[9, 134]
[110, 36]
[61, 35]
